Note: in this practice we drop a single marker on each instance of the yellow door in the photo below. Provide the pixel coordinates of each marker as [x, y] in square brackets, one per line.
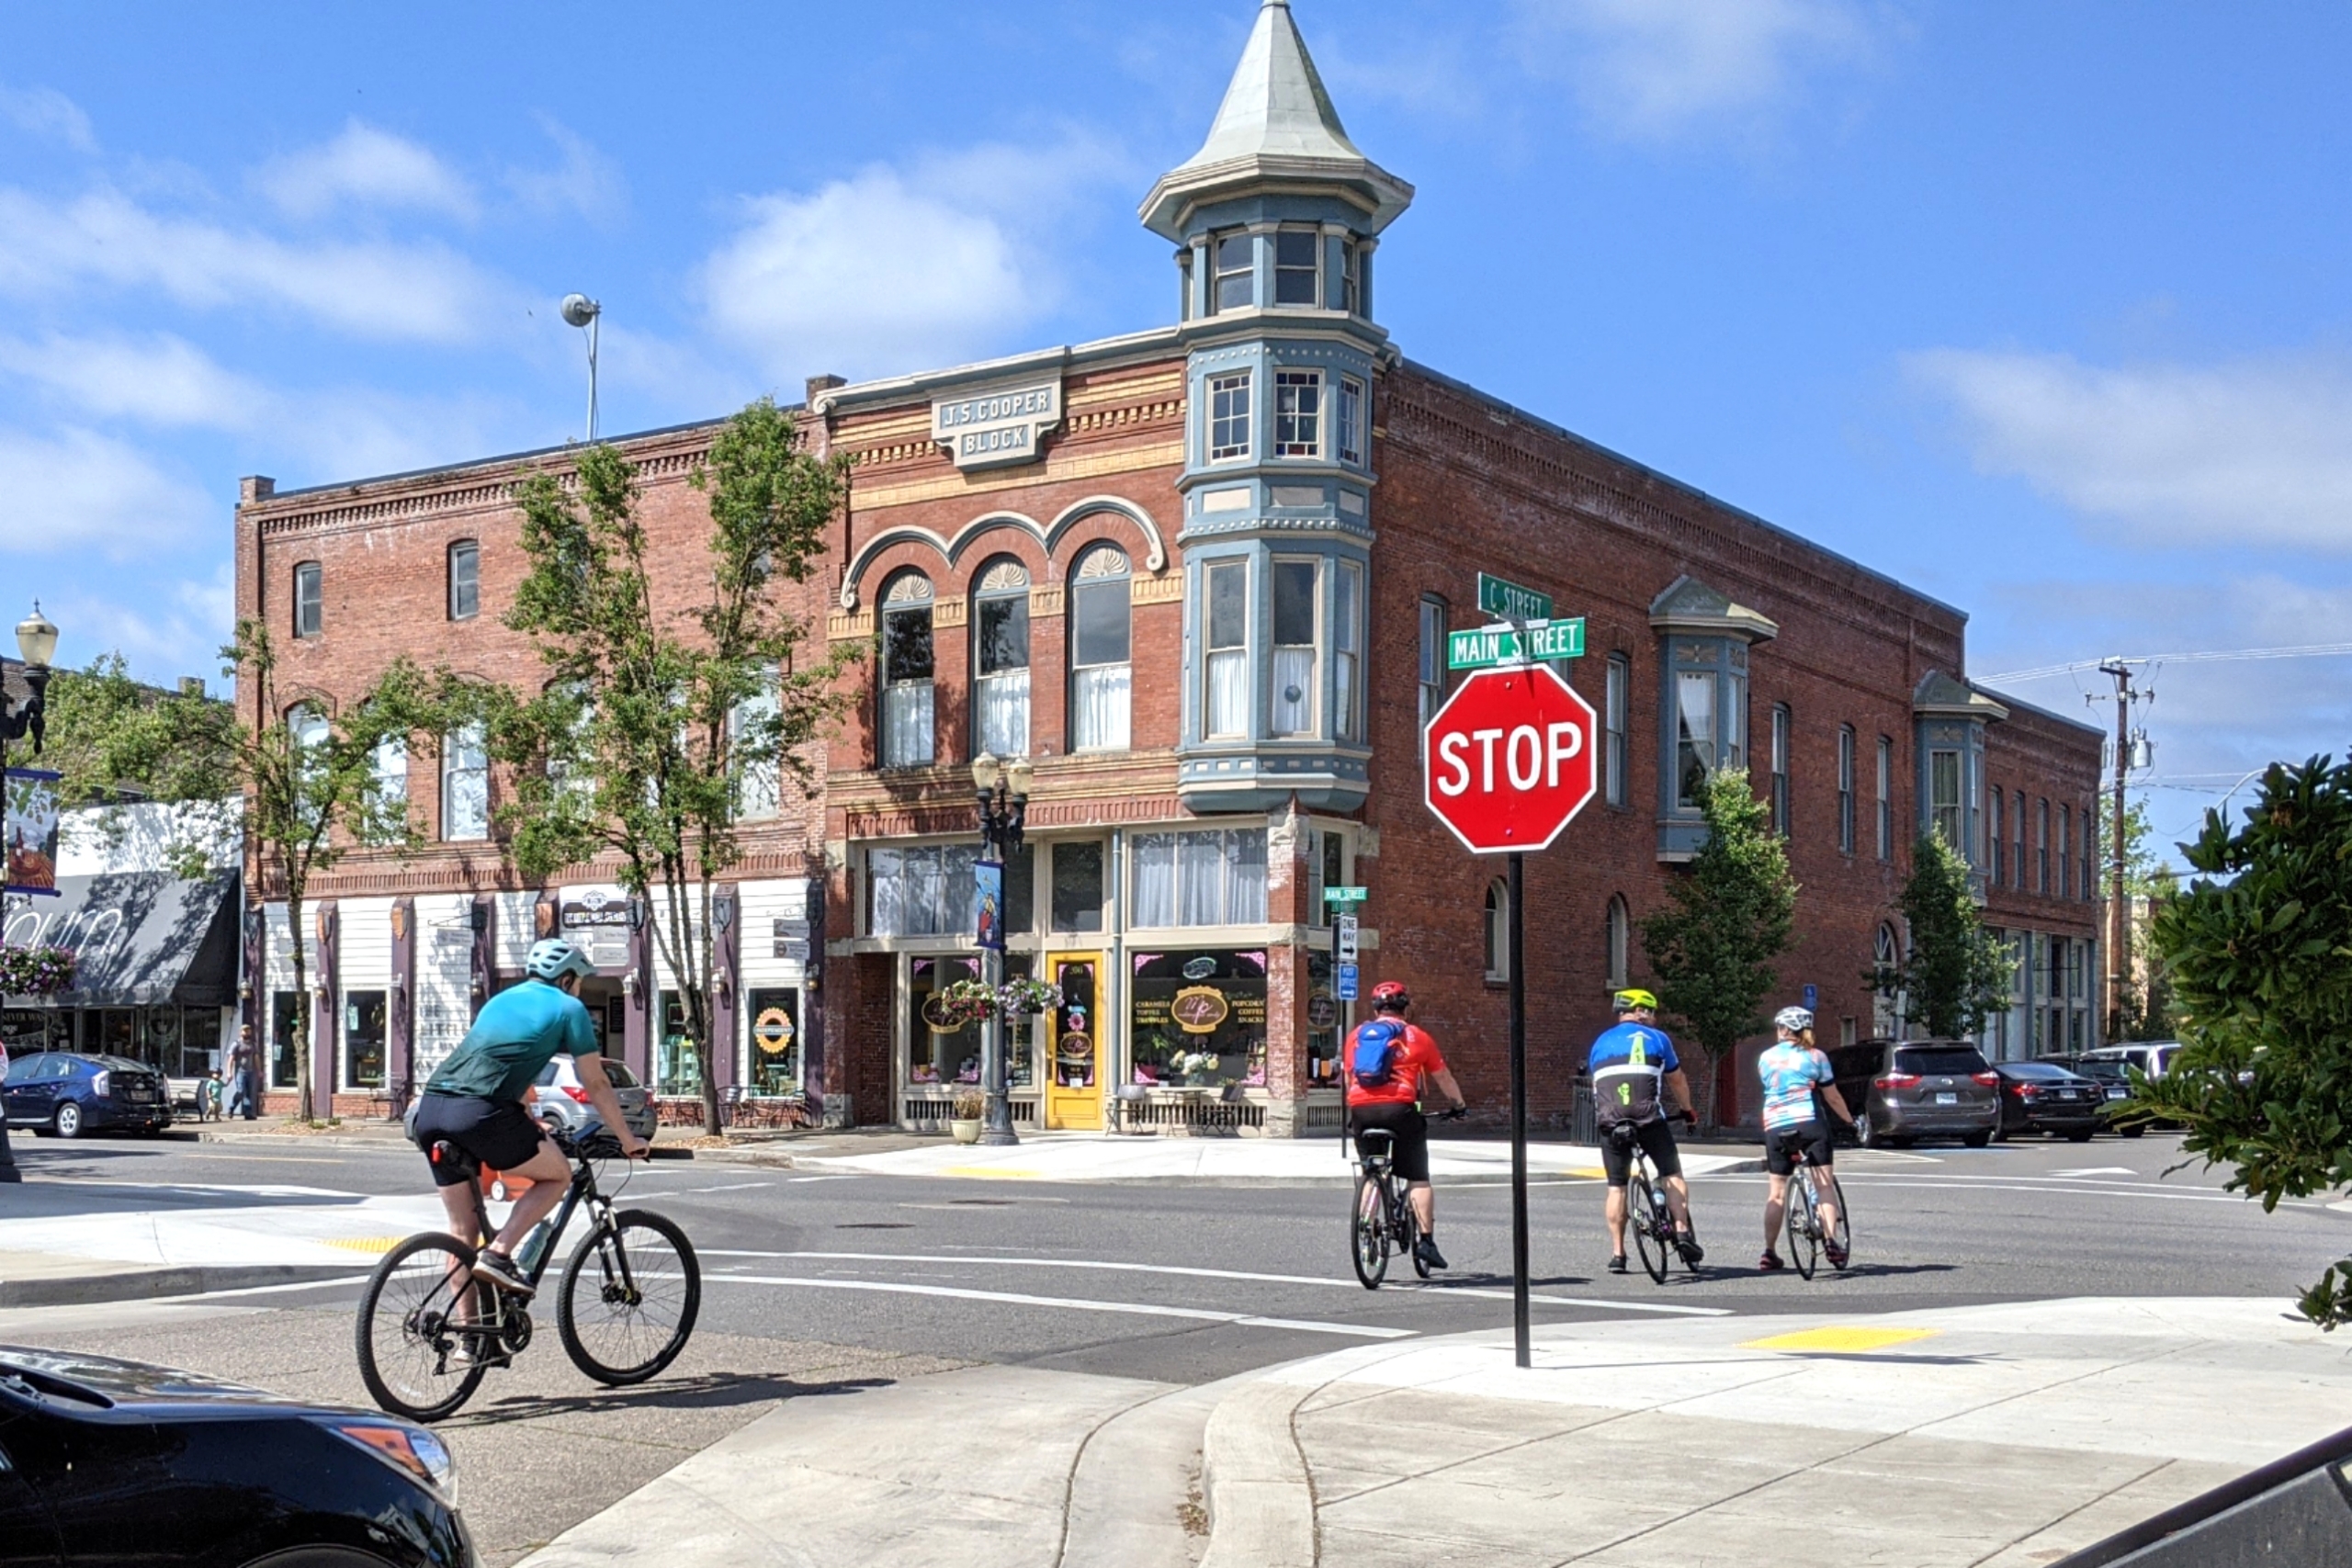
[1076, 1054]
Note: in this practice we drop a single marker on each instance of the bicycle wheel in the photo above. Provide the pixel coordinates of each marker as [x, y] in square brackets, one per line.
[1842, 1232]
[410, 1328]
[627, 1316]
[1643, 1213]
[1409, 1234]
[1804, 1225]
[1368, 1232]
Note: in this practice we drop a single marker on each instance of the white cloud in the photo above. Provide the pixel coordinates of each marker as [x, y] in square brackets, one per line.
[160, 380]
[366, 167]
[586, 182]
[369, 291]
[174, 633]
[81, 491]
[895, 270]
[2259, 452]
[1654, 69]
[48, 113]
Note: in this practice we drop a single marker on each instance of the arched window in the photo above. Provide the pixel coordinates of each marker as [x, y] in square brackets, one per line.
[1499, 930]
[1619, 930]
[1100, 644]
[1000, 657]
[906, 672]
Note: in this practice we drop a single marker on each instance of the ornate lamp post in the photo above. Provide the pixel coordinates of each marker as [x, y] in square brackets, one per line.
[37, 640]
[1002, 791]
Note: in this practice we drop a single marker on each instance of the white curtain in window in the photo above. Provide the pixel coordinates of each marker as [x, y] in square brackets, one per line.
[1229, 692]
[1244, 889]
[1199, 867]
[886, 875]
[759, 785]
[925, 891]
[906, 724]
[1695, 746]
[1101, 696]
[1293, 690]
[1003, 702]
[1154, 879]
[465, 786]
[1200, 879]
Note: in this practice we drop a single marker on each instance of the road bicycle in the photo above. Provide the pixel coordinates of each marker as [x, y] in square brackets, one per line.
[1383, 1219]
[1647, 1214]
[428, 1329]
[1801, 1216]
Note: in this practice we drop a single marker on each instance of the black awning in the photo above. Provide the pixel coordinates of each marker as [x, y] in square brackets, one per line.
[140, 938]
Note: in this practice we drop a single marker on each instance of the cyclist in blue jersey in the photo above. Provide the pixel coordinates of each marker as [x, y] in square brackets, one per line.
[1793, 1073]
[476, 1100]
[1634, 1067]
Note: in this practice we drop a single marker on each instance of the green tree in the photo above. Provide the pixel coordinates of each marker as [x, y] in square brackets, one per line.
[658, 727]
[311, 793]
[1957, 974]
[117, 742]
[1734, 912]
[2260, 948]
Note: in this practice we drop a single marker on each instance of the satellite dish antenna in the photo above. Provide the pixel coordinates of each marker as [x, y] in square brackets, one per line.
[579, 310]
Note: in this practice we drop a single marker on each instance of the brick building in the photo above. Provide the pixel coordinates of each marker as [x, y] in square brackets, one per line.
[1200, 575]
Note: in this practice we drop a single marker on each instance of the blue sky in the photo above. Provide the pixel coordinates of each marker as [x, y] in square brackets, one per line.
[2041, 309]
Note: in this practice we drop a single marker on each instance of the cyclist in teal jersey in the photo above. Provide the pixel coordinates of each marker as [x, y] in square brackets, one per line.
[1793, 1071]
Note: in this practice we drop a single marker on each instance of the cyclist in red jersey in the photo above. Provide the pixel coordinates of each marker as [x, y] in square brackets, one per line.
[1392, 1102]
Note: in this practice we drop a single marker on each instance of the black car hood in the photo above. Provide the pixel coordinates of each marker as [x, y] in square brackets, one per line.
[162, 1391]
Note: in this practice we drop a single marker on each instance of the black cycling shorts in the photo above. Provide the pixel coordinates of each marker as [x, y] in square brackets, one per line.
[1656, 1139]
[1410, 1149]
[1781, 1144]
[500, 1133]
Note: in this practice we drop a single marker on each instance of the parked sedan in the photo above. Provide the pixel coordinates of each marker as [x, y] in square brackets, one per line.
[2046, 1097]
[103, 1460]
[2113, 1077]
[68, 1094]
[1903, 1090]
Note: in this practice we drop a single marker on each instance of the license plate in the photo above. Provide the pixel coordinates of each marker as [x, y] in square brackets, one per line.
[2119, 1094]
[1948, 1100]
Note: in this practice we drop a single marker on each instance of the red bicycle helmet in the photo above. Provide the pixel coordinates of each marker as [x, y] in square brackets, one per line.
[1390, 996]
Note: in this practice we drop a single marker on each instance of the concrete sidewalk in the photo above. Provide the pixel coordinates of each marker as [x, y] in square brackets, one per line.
[1094, 1156]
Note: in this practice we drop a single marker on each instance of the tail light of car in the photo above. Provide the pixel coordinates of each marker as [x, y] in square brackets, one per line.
[1896, 1080]
[576, 1092]
[102, 1082]
[2020, 1091]
[1988, 1080]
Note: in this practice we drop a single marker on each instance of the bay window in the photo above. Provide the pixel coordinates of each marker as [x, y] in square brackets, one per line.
[1298, 414]
[1943, 797]
[1225, 704]
[1102, 678]
[1347, 658]
[1001, 660]
[1295, 664]
[1351, 419]
[1695, 735]
[1296, 255]
[1236, 285]
[1351, 279]
[906, 672]
[1228, 416]
[1212, 878]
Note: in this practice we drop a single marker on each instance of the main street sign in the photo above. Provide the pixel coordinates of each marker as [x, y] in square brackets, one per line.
[1498, 596]
[1489, 646]
[1509, 759]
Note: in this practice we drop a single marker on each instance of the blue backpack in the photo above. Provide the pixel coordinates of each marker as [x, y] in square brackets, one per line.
[1373, 1055]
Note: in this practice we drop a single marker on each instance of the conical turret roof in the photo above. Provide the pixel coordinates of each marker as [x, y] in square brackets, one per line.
[1276, 126]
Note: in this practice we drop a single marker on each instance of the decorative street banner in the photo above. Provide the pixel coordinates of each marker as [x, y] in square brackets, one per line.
[988, 888]
[30, 831]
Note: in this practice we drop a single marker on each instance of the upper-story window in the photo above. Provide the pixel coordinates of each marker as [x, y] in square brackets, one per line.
[1000, 659]
[1351, 419]
[1616, 728]
[1295, 667]
[1617, 930]
[387, 773]
[1296, 255]
[1228, 416]
[1781, 740]
[1347, 653]
[1943, 797]
[1995, 865]
[1351, 279]
[759, 780]
[1433, 662]
[1298, 414]
[1237, 263]
[906, 672]
[310, 596]
[1497, 927]
[2042, 848]
[465, 786]
[1884, 799]
[1101, 677]
[2090, 855]
[2065, 852]
[1226, 701]
[465, 580]
[1710, 714]
[1846, 789]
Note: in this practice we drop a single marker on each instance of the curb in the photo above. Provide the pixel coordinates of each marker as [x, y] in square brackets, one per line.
[1261, 1502]
[395, 1145]
[144, 1284]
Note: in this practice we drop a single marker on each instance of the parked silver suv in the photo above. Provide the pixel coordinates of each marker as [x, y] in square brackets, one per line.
[1908, 1090]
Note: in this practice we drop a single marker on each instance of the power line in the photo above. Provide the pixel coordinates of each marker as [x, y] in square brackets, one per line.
[2314, 650]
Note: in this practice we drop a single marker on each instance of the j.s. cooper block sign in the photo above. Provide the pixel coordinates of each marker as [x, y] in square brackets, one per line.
[997, 428]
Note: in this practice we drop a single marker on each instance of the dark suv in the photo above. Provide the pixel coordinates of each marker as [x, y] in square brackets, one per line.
[1901, 1091]
[68, 1094]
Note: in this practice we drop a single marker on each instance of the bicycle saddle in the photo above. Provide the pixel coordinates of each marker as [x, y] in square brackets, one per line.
[448, 1155]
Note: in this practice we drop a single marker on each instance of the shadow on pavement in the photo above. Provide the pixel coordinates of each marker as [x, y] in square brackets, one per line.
[712, 1391]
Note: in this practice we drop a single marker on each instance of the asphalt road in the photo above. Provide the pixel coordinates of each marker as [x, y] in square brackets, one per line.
[819, 1281]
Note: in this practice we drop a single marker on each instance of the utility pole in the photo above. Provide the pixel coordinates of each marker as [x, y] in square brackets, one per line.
[2118, 919]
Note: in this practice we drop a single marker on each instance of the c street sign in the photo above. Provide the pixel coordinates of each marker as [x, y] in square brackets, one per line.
[1489, 646]
[1498, 596]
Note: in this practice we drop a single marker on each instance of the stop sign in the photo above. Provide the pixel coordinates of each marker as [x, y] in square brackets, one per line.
[1509, 759]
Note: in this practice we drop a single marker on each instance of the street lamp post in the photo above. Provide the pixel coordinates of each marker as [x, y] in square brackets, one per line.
[1003, 792]
[37, 640]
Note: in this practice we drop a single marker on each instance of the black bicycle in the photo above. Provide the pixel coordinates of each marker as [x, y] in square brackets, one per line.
[428, 1329]
[1647, 1214]
[1802, 1217]
[1383, 1220]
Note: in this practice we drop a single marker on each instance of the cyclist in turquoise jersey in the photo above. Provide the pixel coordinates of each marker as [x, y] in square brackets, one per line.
[1792, 1070]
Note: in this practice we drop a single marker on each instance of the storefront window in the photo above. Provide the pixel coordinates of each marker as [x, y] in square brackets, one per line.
[201, 1042]
[923, 891]
[159, 1045]
[1325, 1023]
[1200, 878]
[937, 1056]
[775, 1042]
[1199, 1019]
[363, 1040]
[675, 1070]
[282, 1008]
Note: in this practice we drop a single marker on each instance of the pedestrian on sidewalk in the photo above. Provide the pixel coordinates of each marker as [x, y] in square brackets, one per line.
[242, 1084]
[208, 1091]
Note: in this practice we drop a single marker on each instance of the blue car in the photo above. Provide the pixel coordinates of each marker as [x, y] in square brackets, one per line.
[68, 1094]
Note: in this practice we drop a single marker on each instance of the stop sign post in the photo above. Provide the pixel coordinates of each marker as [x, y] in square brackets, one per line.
[1507, 762]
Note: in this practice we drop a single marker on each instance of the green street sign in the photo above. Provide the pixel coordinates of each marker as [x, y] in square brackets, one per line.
[1547, 640]
[1512, 602]
[1346, 895]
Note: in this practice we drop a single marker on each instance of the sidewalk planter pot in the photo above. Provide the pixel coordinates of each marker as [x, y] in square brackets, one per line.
[967, 1109]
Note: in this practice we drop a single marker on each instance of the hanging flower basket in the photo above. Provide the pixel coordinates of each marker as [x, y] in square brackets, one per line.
[1028, 995]
[961, 1003]
[36, 971]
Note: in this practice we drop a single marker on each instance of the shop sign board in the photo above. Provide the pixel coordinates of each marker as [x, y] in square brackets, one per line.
[1509, 759]
[1344, 938]
[1500, 596]
[773, 1031]
[1322, 1012]
[1345, 984]
[1489, 646]
[998, 427]
[988, 903]
[595, 921]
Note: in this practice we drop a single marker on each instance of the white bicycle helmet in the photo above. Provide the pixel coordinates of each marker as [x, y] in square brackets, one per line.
[1796, 1020]
[553, 958]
